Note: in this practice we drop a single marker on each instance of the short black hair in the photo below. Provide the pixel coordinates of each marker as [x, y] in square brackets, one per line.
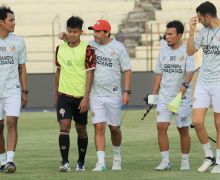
[207, 8]
[4, 11]
[74, 22]
[177, 25]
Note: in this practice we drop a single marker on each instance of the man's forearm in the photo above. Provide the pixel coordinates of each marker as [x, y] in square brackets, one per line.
[23, 76]
[156, 86]
[89, 80]
[127, 80]
[56, 82]
[190, 44]
[188, 77]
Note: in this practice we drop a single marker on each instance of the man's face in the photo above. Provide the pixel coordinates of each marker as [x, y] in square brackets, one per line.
[100, 36]
[73, 34]
[172, 37]
[8, 24]
[204, 19]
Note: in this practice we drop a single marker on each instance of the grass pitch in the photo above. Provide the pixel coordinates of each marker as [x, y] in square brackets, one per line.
[37, 154]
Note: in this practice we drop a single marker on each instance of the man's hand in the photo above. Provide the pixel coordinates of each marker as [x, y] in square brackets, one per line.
[83, 106]
[192, 23]
[62, 36]
[125, 98]
[23, 100]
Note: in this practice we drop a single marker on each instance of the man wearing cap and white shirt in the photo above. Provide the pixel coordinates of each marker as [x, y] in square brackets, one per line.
[105, 97]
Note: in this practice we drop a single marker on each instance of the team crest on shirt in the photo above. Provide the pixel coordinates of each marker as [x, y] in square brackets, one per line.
[182, 58]
[12, 49]
[62, 111]
[113, 53]
[69, 63]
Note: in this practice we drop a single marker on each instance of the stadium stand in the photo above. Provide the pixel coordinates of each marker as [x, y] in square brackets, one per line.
[39, 20]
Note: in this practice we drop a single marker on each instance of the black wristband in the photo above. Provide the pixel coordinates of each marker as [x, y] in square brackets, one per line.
[25, 91]
[127, 91]
[186, 85]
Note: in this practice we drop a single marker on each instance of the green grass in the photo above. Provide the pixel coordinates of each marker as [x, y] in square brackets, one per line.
[37, 154]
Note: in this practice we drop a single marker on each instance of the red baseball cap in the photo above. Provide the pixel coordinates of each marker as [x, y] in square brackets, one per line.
[101, 25]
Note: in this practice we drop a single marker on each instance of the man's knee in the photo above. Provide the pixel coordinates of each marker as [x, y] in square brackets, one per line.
[183, 131]
[217, 122]
[197, 123]
[162, 127]
[198, 117]
[99, 128]
[65, 125]
[12, 123]
[115, 130]
[81, 131]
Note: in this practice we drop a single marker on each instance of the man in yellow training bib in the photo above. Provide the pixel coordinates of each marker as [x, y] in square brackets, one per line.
[75, 62]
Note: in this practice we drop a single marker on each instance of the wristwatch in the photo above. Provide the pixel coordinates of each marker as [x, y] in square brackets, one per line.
[127, 91]
[25, 91]
[186, 85]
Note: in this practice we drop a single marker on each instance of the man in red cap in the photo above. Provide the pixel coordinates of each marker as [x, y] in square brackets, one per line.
[105, 97]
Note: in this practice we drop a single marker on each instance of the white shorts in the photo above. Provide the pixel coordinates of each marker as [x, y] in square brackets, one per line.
[204, 96]
[182, 117]
[10, 106]
[106, 109]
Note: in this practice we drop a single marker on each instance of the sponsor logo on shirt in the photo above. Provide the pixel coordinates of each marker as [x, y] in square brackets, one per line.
[6, 60]
[172, 58]
[173, 68]
[207, 49]
[105, 61]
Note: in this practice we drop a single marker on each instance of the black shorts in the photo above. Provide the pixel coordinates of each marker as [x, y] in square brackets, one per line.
[67, 108]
